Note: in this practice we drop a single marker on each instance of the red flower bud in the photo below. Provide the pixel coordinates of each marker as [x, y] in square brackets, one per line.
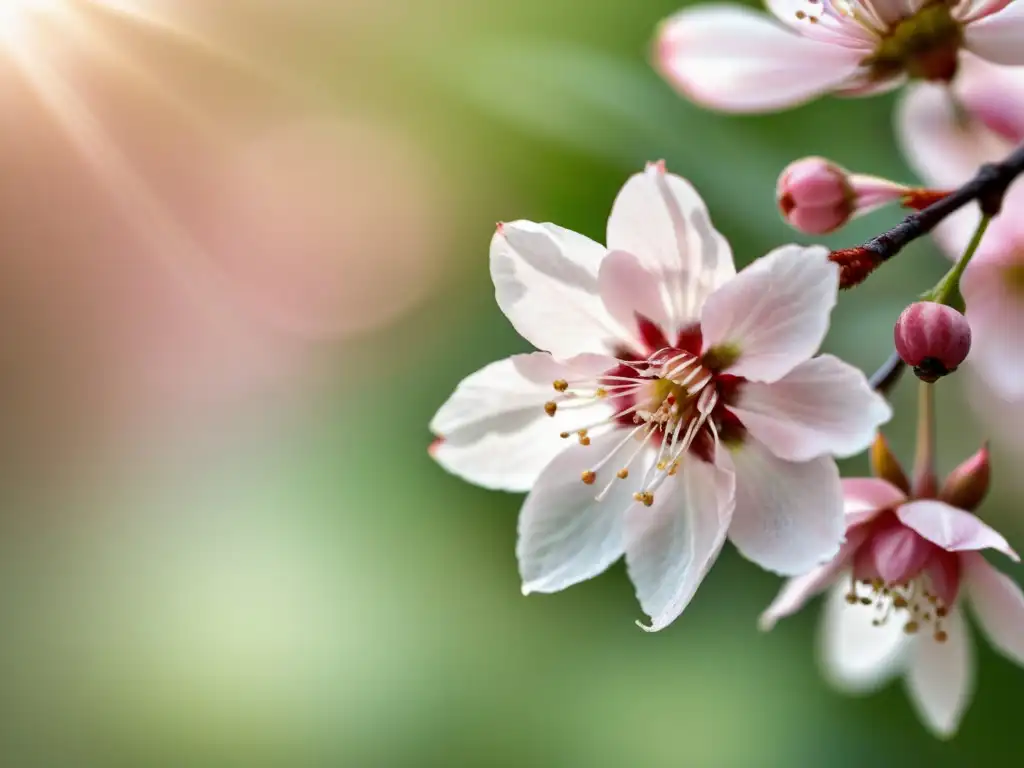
[967, 485]
[932, 338]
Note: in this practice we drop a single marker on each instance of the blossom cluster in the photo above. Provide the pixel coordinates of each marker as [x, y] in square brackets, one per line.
[674, 403]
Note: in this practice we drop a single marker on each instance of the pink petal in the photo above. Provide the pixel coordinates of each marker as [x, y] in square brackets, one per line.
[950, 528]
[998, 605]
[945, 152]
[671, 545]
[737, 60]
[494, 430]
[775, 312]
[660, 219]
[995, 309]
[823, 406]
[856, 656]
[789, 516]
[897, 553]
[797, 591]
[565, 535]
[631, 293]
[545, 281]
[865, 497]
[940, 676]
[997, 37]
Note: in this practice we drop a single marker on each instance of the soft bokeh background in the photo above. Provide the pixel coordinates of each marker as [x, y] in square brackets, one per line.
[244, 258]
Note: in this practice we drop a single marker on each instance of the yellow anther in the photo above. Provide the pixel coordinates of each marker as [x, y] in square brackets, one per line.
[644, 497]
[941, 611]
[564, 435]
[851, 598]
[911, 627]
[899, 602]
[550, 407]
[601, 392]
[561, 385]
[941, 637]
[584, 440]
[589, 477]
[622, 473]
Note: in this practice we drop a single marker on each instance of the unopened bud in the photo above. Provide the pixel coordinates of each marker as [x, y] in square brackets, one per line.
[886, 466]
[967, 485]
[817, 196]
[932, 338]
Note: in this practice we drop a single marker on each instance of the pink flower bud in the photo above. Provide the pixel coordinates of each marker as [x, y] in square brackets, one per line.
[932, 338]
[967, 485]
[817, 196]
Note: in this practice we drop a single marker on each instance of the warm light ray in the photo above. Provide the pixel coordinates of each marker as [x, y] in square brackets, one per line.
[178, 253]
[97, 44]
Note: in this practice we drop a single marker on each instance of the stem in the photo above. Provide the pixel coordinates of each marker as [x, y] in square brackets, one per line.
[925, 483]
[987, 188]
[948, 288]
[885, 378]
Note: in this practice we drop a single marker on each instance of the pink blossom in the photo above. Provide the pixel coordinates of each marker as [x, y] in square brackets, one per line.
[946, 149]
[734, 59]
[898, 586]
[675, 402]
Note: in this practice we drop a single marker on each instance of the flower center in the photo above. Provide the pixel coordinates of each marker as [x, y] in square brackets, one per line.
[912, 602]
[924, 46]
[672, 402]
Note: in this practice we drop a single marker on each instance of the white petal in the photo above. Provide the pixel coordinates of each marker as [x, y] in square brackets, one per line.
[660, 219]
[493, 429]
[797, 591]
[775, 312]
[789, 516]
[856, 656]
[545, 281]
[631, 293]
[940, 676]
[671, 545]
[823, 406]
[737, 60]
[998, 37]
[998, 605]
[950, 528]
[995, 309]
[837, 30]
[565, 535]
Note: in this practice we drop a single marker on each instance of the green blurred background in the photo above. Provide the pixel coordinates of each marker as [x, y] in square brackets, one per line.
[295, 583]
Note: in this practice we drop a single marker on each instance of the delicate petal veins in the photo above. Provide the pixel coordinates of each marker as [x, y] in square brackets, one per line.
[998, 37]
[737, 60]
[940, 676]
[671, 545]
[950, 528]
[545, 281]
[797, 591]
[856, 656]
[660, 219]
[774, 313]
[823, 406]
[493, 429]
[789, 516]
[565, 535]
[998, 605]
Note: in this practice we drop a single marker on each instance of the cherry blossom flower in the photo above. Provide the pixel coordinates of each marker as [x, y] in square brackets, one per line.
[674, 401]
[945, 144]
[734, 59]
[898, 586]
